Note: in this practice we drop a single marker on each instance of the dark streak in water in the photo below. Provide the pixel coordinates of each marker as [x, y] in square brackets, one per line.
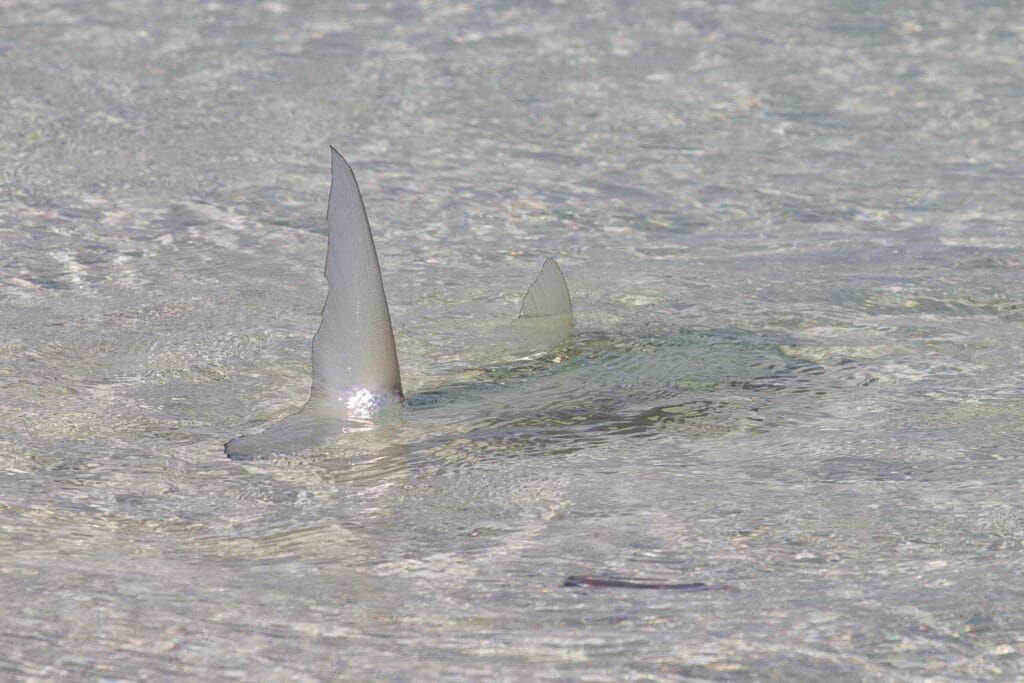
[599, 582]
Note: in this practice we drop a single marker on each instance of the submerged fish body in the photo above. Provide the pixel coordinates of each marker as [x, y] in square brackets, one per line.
[356, 377]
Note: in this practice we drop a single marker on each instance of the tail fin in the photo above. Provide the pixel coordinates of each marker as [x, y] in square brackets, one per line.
[354, 349]
[548, 295]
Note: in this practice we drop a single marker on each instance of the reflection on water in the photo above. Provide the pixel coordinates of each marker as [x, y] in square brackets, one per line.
[792, 234]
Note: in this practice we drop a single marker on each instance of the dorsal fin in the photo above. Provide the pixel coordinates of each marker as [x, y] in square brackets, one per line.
[548, 295]
[354, 349]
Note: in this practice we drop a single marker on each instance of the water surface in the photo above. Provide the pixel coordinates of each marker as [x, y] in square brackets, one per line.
[793, 236]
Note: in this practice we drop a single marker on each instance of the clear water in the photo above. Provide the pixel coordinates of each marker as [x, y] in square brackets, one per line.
[793, 232]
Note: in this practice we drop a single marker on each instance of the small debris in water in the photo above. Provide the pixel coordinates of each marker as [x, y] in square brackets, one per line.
[599, 582]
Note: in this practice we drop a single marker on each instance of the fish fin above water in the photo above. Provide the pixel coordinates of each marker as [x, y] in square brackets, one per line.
[545, 319]
[354, 348]
[548, 295]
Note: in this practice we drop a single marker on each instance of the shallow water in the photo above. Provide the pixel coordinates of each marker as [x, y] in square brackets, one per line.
[794, 240]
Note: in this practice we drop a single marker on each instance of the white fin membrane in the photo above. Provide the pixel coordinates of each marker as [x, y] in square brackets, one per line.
[355, 365]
